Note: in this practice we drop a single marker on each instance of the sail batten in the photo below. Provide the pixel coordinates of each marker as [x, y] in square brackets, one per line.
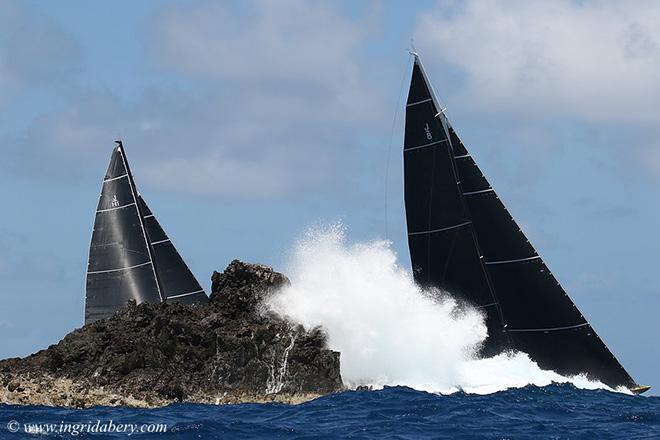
[115, 178]
[479, 191]
[119, 269]
[515, 260]
[494, 267]
[186, 294]
[433, 231]
[554, 329]
[114, 208]
[419, 102]
[430, 144]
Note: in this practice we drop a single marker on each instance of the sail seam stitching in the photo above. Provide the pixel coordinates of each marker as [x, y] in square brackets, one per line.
[117, 270]
[114, 208]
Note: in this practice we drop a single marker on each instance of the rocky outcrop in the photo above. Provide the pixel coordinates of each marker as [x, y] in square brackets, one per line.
[229, 350]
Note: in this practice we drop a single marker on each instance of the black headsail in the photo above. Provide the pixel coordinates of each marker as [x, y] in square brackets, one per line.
[176, 281]
[462, 238]
[130, 257]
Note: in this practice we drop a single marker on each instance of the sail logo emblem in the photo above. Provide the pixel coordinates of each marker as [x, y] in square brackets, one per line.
[115, 202]
[427, 130]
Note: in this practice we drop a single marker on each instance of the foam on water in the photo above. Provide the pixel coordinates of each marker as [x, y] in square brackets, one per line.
[388, 330]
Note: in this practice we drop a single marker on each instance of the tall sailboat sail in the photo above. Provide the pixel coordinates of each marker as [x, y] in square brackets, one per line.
[130, 255]
[462, 238]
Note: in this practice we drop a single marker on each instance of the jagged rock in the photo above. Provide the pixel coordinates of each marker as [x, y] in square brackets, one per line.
[242, 287]
[229, 350]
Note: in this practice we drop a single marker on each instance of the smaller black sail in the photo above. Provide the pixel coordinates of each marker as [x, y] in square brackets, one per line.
[130, 256]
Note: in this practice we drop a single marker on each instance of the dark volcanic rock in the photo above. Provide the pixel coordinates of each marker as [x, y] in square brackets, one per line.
[231, 349]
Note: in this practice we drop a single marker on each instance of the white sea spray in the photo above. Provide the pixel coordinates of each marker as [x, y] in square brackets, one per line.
[388, 330]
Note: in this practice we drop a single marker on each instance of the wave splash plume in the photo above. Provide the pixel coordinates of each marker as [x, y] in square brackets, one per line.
[391, 332]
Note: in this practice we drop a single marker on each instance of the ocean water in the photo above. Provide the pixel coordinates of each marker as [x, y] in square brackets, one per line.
[557, 411]
[417, 349]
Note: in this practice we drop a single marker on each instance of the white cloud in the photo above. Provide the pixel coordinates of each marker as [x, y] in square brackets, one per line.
[288, 40]
[283, 87]
[594, 60]
[265, 101]
[33, 51]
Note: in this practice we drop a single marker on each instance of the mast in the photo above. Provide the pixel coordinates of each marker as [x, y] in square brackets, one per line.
[441, 236]
[134, 193]
[530, 308]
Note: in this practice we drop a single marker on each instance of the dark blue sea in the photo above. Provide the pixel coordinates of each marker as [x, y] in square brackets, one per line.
[552, 412]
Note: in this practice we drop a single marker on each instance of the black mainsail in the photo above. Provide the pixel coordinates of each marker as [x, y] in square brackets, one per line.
[130, 256]
[462, 238]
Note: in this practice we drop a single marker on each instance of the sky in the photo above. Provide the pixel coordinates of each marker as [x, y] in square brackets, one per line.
[247, 122]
